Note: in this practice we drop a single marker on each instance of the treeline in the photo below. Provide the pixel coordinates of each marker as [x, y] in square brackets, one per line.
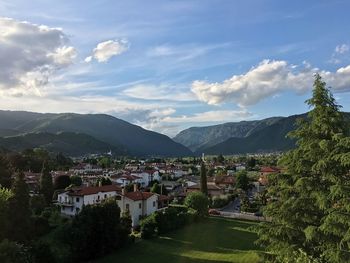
[31, 227]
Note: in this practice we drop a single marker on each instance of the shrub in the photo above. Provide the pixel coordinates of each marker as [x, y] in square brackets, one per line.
[13, 252]
[148, 227]
[198, 201]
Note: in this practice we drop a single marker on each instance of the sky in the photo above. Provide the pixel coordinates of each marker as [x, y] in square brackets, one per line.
[169, 65]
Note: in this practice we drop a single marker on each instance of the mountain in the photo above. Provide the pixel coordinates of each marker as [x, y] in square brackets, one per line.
[197, 138]
[105, 128]
[271, 138]
[72, 144]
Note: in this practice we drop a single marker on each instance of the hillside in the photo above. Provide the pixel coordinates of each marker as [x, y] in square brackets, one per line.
[113, 131]
[271, 138]
[197, 138]
[72, 144]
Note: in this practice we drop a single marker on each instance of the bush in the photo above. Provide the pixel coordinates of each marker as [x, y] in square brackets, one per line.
[198, 201]
[95, 231]
[148, 227]
[164, 221]
[11, 252]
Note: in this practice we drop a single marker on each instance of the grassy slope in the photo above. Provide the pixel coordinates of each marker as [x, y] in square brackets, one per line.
[216, 240]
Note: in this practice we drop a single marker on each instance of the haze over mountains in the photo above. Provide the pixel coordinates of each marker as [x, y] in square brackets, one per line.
[80, 134]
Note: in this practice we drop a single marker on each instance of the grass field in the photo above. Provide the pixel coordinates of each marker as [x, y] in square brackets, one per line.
[213, 241]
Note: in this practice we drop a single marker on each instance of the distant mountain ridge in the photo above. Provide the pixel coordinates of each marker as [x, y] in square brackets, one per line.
[197, 138]
[264, 136]
[123, 137]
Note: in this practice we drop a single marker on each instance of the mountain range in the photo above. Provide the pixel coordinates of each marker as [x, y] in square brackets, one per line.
[261, 136]
[77, 134]
[80, 134]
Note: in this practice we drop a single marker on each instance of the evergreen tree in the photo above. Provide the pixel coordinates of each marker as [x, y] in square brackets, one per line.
[5, 173]
[310, 210]
[46, 185]
[19, 211]
[204, 186]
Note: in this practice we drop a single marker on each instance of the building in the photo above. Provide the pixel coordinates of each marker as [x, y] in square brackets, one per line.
[213, 190]
[138, 204]
[72, 201]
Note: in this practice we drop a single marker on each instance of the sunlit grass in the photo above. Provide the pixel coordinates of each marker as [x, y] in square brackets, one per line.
[215, 240]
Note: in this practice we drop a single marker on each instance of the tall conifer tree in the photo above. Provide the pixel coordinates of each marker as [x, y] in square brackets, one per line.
[204, 186]
[46, 184]
[308, 208]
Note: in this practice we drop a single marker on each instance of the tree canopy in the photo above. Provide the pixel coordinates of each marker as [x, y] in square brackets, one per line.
[309, 203]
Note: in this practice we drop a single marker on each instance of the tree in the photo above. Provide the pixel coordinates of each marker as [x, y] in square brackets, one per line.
[95, 231]
[62, 181]
[13, 252]
[5, 173]
[5, 195]
[103, 181]
[204, 186]
[198, 201]
[46, 186]
[37, 204]
[159, 189]
[125, 227]
[76, 180]
[19, 211]
[221, 159]
[310, 211]
[242, 180]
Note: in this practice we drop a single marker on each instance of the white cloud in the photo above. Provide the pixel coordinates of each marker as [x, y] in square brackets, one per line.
[30, 54]
[265, 80]
[107, 49]
[341, 49]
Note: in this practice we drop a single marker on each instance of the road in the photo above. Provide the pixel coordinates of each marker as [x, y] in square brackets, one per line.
[233, 206]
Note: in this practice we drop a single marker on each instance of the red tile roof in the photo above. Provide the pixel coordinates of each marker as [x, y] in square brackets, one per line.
[137, 196]
[81, 191]
[269, 170]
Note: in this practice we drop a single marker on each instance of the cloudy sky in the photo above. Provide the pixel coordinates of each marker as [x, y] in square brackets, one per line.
[169, 65]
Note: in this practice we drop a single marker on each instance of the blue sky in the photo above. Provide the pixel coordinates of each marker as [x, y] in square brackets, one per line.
[169, 65]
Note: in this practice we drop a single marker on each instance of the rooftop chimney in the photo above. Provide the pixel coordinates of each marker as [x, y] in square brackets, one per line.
[135, 188]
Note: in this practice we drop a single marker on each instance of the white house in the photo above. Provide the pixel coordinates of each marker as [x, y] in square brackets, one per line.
[147, 176]
[73, 200]
[138, 204]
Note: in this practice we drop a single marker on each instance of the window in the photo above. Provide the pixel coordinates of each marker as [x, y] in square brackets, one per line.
[105, 195]
[154, 203]
[77, 199]
[118, 197]
[71, 209]
[127, 206]
[140, 217]
[140, 205]
[60, 199]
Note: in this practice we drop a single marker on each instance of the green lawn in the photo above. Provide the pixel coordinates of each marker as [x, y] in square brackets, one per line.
[215, 240]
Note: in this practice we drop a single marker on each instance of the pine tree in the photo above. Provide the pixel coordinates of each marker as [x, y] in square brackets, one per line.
[204, 186]
[46, 184]
[308, 207]
[19, 211]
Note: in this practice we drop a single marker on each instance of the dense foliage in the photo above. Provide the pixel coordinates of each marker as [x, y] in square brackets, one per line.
[166, 220]
[95, 231]
[197, 201]
[309, 204]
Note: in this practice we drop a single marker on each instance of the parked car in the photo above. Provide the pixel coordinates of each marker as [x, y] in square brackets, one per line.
[213, 212]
